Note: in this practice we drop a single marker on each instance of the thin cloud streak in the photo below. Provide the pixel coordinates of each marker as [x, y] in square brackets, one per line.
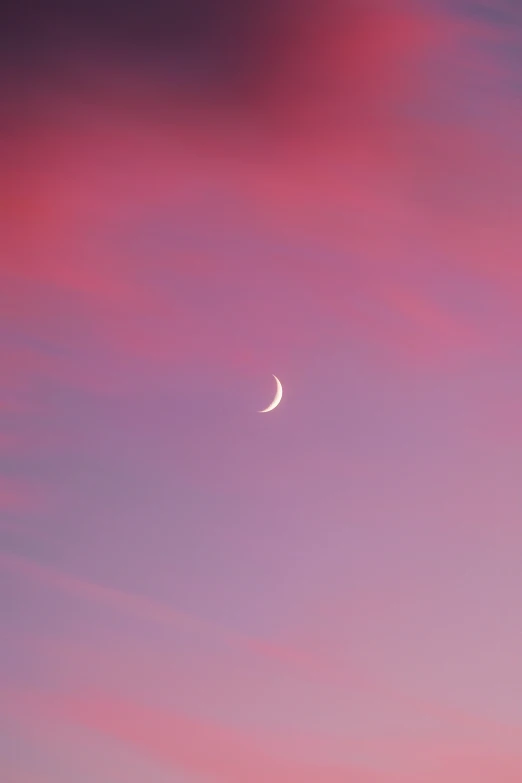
[148, 610]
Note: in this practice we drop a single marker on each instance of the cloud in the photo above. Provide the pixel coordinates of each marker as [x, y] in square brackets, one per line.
[152, 611]
[210, 751]
[216, 752]
[250, 665]
[346, 168]
[108, 596]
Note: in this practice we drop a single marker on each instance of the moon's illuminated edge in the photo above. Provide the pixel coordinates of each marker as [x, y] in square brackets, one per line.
[277, 399]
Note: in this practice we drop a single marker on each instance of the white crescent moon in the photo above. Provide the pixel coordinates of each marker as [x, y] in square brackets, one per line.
[277, 399]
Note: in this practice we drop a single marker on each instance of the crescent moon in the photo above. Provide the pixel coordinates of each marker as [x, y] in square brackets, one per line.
[277, 399]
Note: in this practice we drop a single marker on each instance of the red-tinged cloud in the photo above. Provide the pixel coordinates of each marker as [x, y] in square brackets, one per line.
[349, 169]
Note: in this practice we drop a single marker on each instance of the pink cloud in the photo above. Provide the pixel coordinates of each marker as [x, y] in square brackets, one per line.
[203, 749]
[384, 184]
[316, 667]
[217, 752]
[108, 596]
[153, 611]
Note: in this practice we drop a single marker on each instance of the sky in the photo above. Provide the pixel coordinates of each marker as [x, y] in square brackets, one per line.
[196, 196]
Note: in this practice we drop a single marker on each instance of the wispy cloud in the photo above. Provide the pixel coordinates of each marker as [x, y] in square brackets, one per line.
[152, 611]
[390, 185]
